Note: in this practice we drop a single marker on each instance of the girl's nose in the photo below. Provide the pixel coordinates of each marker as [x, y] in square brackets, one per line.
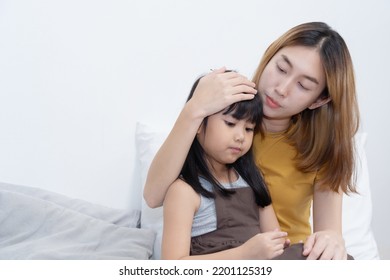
[239, 137]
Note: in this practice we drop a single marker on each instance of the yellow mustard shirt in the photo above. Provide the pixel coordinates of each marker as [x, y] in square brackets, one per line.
[291, 190]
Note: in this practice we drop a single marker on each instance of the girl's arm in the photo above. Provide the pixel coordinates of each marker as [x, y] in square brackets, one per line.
[327, 241]
[268, 220]
[214, 92]
[180, 206]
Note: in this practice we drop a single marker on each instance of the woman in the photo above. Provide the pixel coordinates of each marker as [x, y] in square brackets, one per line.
[306, 82]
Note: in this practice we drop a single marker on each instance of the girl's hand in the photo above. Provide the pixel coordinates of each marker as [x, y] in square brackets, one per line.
[265, 245]
[219, 89]
[325, 245]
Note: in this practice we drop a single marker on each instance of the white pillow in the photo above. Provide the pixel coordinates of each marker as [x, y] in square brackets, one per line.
[148, 141]
[357, 209]
[119, 217]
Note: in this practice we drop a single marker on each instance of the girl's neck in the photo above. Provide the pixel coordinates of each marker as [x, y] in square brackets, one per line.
[223, 174]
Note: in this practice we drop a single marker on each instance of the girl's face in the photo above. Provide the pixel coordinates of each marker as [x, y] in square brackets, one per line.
[291, 82]
[225, 139]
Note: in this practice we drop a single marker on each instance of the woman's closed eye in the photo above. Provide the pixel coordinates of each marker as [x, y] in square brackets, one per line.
[302, 86]
[281, 69]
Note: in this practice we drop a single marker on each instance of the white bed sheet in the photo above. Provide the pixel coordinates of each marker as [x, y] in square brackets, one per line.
[37, 224]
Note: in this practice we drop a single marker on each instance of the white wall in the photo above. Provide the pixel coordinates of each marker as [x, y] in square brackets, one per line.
[75, 76]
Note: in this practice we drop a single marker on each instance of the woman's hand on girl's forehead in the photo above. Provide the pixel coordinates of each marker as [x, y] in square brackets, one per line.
[219, 89]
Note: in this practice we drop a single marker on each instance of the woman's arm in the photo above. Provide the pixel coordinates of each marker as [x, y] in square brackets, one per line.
[214, 92]
[169, 160]
[327, 241]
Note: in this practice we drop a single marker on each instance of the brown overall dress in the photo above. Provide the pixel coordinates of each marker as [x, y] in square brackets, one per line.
[237, 221]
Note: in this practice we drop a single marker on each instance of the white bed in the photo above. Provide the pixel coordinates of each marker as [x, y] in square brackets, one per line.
[357, 209]
[38, 224]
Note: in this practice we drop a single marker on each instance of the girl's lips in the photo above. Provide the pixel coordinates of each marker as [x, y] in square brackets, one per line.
[235, 149]
[271, 103]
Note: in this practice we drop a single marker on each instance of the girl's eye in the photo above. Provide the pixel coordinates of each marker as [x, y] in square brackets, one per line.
[229, 123]
[250, 129]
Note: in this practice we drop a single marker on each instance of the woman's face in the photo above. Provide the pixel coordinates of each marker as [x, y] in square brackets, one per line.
[291, 82]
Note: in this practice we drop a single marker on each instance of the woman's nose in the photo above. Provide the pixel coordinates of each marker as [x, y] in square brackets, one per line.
[283, 87]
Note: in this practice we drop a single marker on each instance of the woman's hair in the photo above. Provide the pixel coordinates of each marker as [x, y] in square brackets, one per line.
[324, 136]
[195, 164]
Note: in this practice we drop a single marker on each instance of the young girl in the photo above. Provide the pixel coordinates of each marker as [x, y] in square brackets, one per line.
[220, 204]
[306, 82]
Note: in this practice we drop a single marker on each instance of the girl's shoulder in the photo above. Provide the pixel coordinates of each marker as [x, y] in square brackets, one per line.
[179, 185]
[179, 190]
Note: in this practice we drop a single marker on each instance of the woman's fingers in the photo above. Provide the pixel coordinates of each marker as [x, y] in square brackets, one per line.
[219, 70]
[219, 89]
[233, 79]
[308, 246]
[325, 245]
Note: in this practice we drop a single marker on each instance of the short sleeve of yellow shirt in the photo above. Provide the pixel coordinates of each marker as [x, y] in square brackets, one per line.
[291, 190]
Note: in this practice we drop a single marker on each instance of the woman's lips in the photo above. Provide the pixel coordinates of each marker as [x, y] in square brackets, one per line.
[271, 103]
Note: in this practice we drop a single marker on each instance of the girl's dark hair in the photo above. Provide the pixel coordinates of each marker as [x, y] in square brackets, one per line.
[195, 164]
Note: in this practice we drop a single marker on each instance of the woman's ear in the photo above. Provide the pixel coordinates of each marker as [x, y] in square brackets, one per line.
[319, 102]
